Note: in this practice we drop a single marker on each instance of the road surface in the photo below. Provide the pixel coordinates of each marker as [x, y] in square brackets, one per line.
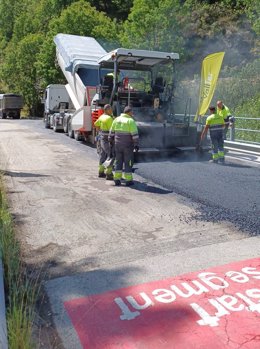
[93, 241]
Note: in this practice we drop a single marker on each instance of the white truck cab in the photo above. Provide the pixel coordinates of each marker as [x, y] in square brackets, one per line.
[56, 101]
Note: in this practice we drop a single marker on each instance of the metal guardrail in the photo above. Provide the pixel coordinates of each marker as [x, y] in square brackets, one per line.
[232, 142]
[250, 148]
[234, 129]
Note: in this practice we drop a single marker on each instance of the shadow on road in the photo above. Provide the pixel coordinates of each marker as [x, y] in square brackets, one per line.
[149, 188]
[229, 164]
[23, 174]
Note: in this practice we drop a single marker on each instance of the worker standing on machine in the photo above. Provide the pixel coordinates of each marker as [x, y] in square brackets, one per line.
[103, 124]
[215, 123]
[124, 135]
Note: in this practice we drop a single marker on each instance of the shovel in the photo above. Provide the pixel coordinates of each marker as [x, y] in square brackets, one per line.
[109, 162]
[199, 148]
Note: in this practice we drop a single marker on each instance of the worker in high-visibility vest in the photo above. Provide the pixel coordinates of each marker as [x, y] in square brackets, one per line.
[224, 112]
[215, 124]
[103, 124]
[124, 135]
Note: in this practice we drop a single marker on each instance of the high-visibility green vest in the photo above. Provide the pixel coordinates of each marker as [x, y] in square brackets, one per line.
[124, 130]
[224, 112]
[215, 122]
[104, 122]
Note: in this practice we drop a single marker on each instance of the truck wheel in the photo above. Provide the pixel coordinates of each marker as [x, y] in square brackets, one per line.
[78, 136]
[65, 126]
[4, 116]
[70, 131]
[55, 128]
[46, 123]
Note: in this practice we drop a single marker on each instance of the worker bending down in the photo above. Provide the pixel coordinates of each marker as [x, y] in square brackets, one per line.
[103, 124]
[215, 123]
[124, 135]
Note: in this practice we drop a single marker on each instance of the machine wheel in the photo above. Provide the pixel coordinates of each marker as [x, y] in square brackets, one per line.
[70, 131]
[4, 116]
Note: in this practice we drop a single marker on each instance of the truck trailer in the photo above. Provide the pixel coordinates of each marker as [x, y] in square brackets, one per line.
[140, 78]
[10, 105]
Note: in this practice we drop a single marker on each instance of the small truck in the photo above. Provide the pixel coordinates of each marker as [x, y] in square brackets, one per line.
[10, 105]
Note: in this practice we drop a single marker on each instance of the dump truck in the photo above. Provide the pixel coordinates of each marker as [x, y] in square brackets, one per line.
[11, 105]
[78, 57]
[140, 78]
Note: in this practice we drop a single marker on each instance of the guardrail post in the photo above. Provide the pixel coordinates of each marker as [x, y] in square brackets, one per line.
[232, 133]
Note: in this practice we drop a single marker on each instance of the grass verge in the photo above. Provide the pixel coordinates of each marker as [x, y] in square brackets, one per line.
[21, 290]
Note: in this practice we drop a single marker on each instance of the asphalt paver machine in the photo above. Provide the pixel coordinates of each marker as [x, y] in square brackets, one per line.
[145, 80]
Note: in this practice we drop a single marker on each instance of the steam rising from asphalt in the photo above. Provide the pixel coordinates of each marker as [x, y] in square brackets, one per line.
[237, 53]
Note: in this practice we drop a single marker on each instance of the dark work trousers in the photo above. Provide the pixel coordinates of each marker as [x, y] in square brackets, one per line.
[104, 151]
[217, 144]
[124, 157]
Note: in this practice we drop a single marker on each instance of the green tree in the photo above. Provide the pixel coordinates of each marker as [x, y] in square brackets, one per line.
[253, 12]
[79, 19]
[20, 71]
[118, 9]
[155, 25]
[9, 10]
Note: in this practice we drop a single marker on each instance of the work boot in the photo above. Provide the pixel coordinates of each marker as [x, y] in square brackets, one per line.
[109, 177]
[215, 161]
[129, 183]
[101, 175]
[117, 182]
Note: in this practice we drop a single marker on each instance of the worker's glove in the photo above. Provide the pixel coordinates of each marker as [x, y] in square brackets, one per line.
[136, 148]
[231, 120]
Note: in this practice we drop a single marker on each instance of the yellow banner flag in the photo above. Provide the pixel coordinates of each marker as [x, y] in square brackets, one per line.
[209, 76]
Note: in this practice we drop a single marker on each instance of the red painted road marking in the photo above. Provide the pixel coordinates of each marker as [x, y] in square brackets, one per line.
[216, 308]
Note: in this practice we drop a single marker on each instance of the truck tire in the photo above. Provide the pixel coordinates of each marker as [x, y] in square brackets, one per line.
[65, 126]
[55, 127]
[46, 122]
[17, 116]
[78, 136]
[70, 131]
[4, 116]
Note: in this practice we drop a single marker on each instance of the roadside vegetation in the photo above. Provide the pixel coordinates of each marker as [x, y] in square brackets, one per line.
[193, 28]
[20, 290]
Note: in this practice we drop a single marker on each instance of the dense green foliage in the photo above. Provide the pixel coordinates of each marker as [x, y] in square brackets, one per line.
[193, 28]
